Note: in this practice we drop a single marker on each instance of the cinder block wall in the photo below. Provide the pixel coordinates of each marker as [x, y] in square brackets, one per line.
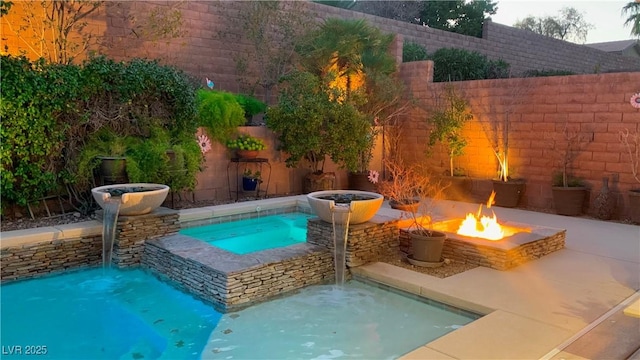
[203, 51]
[595, 106]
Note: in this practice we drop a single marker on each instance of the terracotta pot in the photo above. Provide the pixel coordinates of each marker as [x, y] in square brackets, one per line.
[247, 154]
[508, 193]
[569, 200]
[427, 248]
[405, 205]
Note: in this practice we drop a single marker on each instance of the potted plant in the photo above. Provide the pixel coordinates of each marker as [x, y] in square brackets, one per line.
[311, 125]
[353, 58]
[447, 123]
[631, 143]
[412, 190]
[251, 180]
[251, 107]
[219, 113]
[105, 156]
[569, 192]
[246, 146]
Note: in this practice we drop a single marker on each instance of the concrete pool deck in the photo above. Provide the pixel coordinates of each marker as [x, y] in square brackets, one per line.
[566, 305]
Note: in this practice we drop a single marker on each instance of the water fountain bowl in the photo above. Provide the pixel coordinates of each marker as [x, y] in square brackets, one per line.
[361, 210]
[136, 198]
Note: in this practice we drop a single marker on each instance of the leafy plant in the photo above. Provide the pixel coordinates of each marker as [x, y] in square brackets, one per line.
[246, 142]
[250, 105]
[51, 111]
[351, 58]
[255, 175]
[36, 99]
[311, 124]
[219, 113]
[413, 52]
[451, 64]
[409, 184]
[541, 73]
[448, 122]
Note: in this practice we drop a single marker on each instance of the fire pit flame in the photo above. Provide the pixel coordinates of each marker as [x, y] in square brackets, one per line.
[482, 226]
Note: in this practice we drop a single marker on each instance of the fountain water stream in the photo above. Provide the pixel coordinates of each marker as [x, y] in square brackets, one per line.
[340, 216]
[110, 221]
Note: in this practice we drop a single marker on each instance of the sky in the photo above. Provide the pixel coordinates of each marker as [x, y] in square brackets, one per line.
[605, 15]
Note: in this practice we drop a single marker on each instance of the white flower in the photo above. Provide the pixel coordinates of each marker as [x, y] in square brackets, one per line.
[205, 143]
[373, 176]
[635, 100]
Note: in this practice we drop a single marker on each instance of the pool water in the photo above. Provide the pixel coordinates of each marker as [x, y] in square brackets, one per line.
[257, 234]
[103, 314]
[358, 320]
[129, 314]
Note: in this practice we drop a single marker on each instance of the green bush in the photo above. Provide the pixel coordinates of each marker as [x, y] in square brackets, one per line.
[542, 73]
[51, 113]
[250, 105]
[36, 99]
[219, 113]
[413, 52]
[459, 65]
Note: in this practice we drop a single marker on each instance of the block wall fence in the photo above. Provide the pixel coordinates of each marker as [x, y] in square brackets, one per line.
[596, 105]
[203, 52]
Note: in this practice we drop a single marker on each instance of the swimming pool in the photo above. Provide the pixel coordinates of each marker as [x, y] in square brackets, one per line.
[256, 234]
[103, 314]
[132, 315]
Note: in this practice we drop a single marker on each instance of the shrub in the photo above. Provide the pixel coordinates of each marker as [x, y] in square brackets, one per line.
[219, 113]
[36, 99]
[413, 52]
[542, 73]
[458, 65]
[51, 112]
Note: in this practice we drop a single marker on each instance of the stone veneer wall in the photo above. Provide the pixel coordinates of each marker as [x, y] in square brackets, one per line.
[368, 242]
[27, 261]
[133, 231]
[495, 258]
[31, 260]
[234, 290]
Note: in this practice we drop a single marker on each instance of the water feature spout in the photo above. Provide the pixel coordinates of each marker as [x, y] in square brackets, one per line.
[126, 200]
[110, 221]
[340, 216]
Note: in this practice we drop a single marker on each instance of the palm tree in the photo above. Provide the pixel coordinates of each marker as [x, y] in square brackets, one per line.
[633, 10]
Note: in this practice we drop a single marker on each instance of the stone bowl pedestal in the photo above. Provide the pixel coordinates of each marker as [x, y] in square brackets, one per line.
[135, 199]
[363, 208]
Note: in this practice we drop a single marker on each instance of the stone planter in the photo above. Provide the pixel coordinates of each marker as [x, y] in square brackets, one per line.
[569, 200]
[136, 198]
[362, 209]
[318, 182]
